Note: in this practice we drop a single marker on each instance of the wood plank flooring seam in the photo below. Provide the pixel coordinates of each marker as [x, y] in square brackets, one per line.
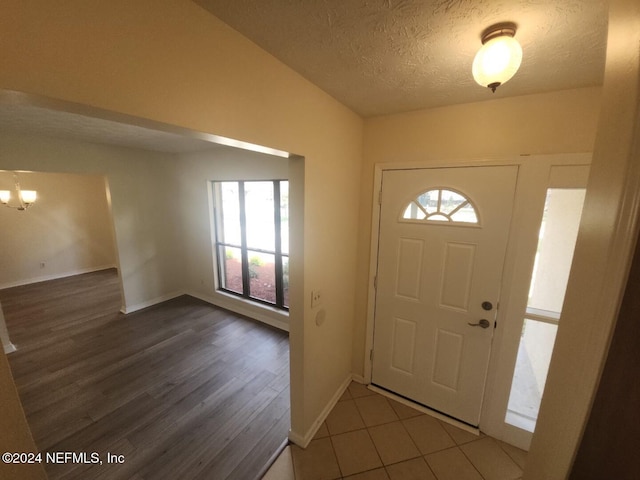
[183, 389]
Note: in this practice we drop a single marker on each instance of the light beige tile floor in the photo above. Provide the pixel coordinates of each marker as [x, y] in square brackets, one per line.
[370, 437]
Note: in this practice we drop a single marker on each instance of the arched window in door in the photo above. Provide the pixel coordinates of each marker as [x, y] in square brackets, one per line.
[441, 205]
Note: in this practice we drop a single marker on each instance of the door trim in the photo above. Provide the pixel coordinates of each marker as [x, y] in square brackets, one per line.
[532, 180]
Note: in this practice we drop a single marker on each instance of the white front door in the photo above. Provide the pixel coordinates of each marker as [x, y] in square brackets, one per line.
[442, 241]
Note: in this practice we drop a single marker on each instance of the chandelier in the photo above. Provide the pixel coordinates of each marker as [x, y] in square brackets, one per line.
[25, 198]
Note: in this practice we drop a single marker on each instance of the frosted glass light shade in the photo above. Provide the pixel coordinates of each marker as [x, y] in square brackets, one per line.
[5, 196]
[28, 196]
[497, 61]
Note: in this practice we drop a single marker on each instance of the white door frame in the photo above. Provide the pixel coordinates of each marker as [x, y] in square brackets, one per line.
[529, 200]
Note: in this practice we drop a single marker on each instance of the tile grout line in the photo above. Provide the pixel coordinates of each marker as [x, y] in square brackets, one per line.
[366, 428]
[509, 455]
[384, 466]
[469, 460]
[369, 434]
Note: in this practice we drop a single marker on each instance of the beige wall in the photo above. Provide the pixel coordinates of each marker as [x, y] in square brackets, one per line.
[171, 61]
[69, 229]
[193, 174]
[552, 123]
[606, 240]
[611, 435]
[141, 200]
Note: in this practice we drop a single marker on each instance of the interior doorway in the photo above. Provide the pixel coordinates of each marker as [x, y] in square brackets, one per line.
[67, 231]
[142, 201]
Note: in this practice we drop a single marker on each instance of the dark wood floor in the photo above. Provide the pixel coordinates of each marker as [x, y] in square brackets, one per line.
[183, 390]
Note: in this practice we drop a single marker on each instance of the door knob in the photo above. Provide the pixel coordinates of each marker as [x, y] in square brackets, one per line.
[484, 323]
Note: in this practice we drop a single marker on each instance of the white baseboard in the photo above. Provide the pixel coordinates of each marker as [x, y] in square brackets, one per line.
[54, 276]
[126, 309]
[304, 440]
[231, 305]
[251, 311]
[9, 348]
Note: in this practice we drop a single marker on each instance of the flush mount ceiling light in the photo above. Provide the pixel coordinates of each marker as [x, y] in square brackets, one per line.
[499, 57]
[26, 198]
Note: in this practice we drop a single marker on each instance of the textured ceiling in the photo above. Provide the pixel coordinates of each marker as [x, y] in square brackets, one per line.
[375, 56]
[388, 56]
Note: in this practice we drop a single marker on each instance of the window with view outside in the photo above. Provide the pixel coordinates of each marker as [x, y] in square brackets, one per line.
[252, 239]
[441, 206]
[556, 242]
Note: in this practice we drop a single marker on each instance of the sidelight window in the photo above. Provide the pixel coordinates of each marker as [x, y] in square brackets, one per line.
[556, 242]
[252, 239]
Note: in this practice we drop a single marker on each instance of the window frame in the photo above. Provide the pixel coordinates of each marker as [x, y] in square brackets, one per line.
[414, 202]
[515, 417]
[218, 245]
